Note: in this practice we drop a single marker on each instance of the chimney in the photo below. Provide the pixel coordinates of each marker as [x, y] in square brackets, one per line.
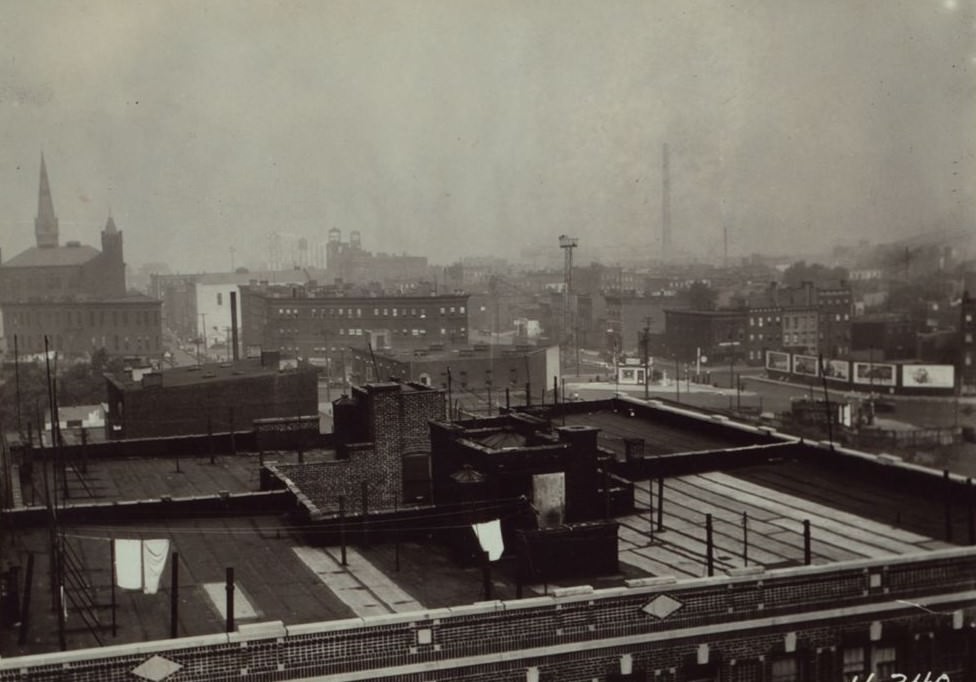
[808, 293]
[233, 326]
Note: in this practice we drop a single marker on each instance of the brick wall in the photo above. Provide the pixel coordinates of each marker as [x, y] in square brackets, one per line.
[734, 627]
[397, 419]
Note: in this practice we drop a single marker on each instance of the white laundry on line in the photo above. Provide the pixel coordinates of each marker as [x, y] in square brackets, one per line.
[139, 564]
[489, 536]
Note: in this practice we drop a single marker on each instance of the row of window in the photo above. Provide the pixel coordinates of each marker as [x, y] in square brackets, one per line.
[422, 313]
[116, 342]
[357, 331]
[99, 318]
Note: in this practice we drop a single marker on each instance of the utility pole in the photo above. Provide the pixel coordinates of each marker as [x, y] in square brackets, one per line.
[567, 244]
[645, 353]
[204, 317]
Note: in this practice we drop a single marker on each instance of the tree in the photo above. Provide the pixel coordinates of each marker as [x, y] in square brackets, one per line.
[801, 272]
[79, 384]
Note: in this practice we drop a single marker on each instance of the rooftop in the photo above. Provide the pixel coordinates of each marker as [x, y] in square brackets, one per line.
[851, 517]
[52, 256]
[198, 374]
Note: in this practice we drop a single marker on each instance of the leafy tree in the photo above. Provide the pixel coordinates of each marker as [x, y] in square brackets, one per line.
[801, 272]
[78, 384]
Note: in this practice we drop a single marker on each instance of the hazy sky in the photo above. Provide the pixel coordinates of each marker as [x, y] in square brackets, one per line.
[453, 127]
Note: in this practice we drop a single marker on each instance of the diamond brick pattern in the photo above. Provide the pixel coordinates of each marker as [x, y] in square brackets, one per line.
[156, 669]
[662, 606]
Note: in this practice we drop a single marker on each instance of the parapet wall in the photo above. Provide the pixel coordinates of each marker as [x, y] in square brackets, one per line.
[656, 624]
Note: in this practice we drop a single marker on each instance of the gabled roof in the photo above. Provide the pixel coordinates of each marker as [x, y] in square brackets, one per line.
[52, 256]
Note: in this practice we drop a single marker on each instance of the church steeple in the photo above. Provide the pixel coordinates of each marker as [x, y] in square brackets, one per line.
[46, 223]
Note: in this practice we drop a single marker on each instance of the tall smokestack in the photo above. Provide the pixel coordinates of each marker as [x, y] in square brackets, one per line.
[665, 200]
[233, 326]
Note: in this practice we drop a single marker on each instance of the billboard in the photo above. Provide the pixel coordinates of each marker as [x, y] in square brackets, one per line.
[928, 376]
[837, 370]
[777, 361]
[874, 374]
[806, 365]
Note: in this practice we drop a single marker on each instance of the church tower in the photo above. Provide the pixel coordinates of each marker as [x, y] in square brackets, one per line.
[113, 262]
[46, 223]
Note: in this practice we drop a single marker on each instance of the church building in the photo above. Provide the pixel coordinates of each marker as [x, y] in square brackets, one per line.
[74, 294]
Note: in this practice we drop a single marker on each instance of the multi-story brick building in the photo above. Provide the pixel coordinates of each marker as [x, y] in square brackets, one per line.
[765, 332]
[128, 326]
[74, 294]
[835, 305]
[803, 319]
[318, 325]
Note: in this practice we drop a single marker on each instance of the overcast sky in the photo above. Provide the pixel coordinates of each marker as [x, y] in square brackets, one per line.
[453, 127]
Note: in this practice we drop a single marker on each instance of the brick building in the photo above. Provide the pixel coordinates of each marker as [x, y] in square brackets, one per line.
[128, 326]
[883, 337]
[717, 334]
[474, 370]
[628, 314]
[514, 457]
[765, 332]
[349, 262]
[208, 398]
[74, 294]
[319, 325]
[803, 319]
[835, 305]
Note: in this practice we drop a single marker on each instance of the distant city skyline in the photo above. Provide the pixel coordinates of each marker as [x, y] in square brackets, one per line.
[450, 129]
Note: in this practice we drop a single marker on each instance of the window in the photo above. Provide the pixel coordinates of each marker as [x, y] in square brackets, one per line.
[853, 662]
[883, 662]
[784, 670]
[220, 298]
